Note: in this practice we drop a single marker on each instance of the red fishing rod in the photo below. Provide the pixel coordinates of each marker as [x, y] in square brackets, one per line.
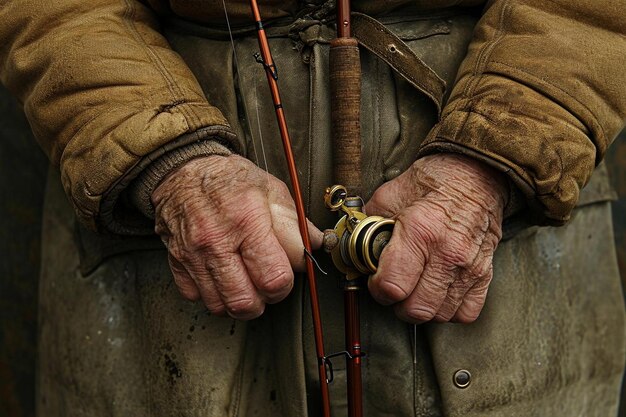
[272, 79]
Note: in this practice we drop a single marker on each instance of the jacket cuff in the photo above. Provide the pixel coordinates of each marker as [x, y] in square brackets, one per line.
[543, 149]
[140, 190]
[516, 199]
[125, 209]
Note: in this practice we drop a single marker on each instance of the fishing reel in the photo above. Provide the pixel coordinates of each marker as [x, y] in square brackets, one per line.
[357, 241]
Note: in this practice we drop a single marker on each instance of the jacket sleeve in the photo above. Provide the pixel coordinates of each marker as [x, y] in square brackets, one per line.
[105, 95]
[540, 96]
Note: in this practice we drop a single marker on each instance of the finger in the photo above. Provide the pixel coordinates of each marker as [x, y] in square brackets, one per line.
[192, 265]
[185, 284]
[286, 226]
[479, 269]
[286, 229]
[210, 296]
[473, 301]
[399, 269]
[390, 198]
[453, 300]
[316, 235]
[429, 294]
[380, 202]
[268, 266]
[233, 284]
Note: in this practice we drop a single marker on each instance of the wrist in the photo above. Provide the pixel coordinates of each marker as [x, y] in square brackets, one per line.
[473, 177]
[143, 188]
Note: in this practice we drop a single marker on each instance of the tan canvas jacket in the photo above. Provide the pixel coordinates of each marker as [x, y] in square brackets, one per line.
[540, 94]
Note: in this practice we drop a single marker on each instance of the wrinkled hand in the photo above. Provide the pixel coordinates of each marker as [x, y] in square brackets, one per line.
[438, 263]
[232, 234]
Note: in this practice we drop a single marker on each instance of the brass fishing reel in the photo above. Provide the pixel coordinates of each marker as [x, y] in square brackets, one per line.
[357, 241]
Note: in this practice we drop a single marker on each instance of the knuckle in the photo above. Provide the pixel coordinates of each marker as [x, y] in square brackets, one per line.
[211, 299]
[418, 229]
[458, 253]
[420, 313]
[484, 269]
[466, 317]
[253, 218]
[200, 232]
[189, 293]
[471, 308]
[494, 235]
[378, 201]
[223, 266]
[446, 312]
[458, 257]
[438, 277]
[198, 237]
[442, 318]
[282, 188]
[279, 187]
[217, 309]
[255, 237]
[176, 252]
[388, 290]
[276, 281]
[182, 281]
[480, 273]
[161, 228]
[426, 236]
[244, 308]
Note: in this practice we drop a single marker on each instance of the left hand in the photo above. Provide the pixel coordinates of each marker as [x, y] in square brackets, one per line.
[438, 264]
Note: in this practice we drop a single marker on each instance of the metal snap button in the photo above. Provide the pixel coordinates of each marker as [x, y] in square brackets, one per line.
[462, 378]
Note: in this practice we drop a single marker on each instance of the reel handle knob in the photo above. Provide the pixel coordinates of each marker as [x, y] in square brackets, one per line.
[331, 240]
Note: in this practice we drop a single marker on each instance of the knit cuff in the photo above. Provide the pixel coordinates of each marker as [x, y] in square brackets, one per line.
[140, 190]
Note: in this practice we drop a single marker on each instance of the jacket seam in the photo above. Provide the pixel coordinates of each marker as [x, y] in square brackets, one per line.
[174, 89]
[484, 54]
[78, 132]
[124, 149]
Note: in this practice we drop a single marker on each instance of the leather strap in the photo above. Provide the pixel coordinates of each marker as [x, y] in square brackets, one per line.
[379, 40]
[370, 33]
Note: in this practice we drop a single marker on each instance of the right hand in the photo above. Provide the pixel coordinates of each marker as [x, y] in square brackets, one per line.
[231, 231]
[439, 262]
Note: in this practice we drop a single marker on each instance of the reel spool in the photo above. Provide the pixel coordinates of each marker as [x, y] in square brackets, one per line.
[357, 240]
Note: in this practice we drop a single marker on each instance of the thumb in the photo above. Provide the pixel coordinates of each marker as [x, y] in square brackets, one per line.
[380, 204]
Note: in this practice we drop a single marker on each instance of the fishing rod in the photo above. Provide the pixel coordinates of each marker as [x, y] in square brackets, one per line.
[272, 79]
[356, 242]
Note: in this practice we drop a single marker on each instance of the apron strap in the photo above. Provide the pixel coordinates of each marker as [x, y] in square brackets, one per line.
[379, 40]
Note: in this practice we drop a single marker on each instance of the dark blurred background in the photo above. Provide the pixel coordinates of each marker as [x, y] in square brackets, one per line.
[23, 169]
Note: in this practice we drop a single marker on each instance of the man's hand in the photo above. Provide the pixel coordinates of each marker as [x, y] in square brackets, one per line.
[438, 263]
[232, 234]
